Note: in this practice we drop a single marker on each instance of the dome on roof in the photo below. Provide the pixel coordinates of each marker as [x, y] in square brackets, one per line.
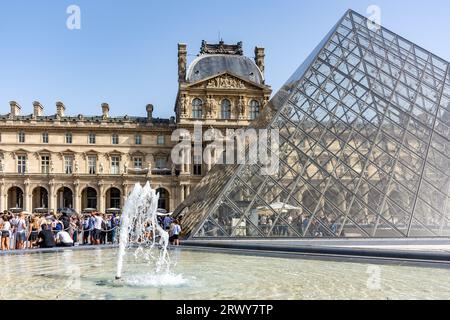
[209, 65]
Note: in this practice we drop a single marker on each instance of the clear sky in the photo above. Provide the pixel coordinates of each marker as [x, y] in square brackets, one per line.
[126, 51]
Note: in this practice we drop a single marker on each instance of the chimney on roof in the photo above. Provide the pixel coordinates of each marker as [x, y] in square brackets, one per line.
[149, 112]
[60, 109]
[38, 109]
[182, 62]
[259, 58]
[15, 109]
[105, 110]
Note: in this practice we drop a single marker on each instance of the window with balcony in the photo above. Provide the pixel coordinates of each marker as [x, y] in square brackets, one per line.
[45, 164]
[21, 164]
[138, 162]
[68, 164]
[115, 165]
[161, 163]
[92, 164]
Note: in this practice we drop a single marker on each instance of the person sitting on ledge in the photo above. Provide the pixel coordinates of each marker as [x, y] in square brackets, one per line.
[46, 238]
[63, 239]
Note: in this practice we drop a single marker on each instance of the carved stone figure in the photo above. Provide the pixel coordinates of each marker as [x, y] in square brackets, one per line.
[101, 169]
[226, 82]
[76, 166]
[208, 107]
[125, 168]
[214, 106]
[241, 107]
[183, 105]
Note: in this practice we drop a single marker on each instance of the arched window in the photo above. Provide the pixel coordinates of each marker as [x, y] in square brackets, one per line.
[197, 106]
[254, 110]
[225, 108]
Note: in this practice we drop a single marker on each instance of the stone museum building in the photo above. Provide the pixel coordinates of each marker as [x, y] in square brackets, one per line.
[51, 160]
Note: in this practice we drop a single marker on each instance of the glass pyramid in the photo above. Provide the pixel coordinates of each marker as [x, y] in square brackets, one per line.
[364, 148]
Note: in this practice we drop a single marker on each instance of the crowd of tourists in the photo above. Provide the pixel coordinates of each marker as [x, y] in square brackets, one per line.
[20, 231]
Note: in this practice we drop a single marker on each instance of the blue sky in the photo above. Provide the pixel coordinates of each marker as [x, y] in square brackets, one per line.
[126, 51]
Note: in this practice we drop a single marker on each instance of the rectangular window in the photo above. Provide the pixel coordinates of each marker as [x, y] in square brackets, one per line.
[92, 164]
[137, 162]
[161, 163]
[138, 139]
[45, 137]
[21, 137]
[160, 140]
[45, 164]
[68, 164]
[115, 139]
[115, 163]
[68, 138]
[21, 164]
[91, 138]
[197, 165]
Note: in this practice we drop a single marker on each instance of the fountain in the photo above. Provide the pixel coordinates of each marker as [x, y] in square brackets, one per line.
[140, 229]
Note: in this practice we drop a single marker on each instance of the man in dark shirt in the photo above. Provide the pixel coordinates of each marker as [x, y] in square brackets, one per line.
[46, 238]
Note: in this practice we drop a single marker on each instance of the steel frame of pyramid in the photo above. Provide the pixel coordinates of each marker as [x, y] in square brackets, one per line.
[364, 148]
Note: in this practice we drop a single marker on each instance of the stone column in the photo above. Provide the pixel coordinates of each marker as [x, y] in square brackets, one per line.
[27, 197]
[182, 196]
[3, 203]
[124, 194]
[77, 197]
[101, 198]
[188, 190]
[52, 197]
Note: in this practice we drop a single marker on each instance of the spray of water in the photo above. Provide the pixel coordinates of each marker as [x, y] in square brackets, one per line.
[138, 218]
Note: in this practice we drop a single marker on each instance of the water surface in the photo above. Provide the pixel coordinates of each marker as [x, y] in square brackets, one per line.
[203, 275]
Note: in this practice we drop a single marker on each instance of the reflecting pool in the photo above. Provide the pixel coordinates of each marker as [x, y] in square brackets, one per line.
[88, 274]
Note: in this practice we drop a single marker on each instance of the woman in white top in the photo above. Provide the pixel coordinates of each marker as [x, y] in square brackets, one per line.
[6, 233]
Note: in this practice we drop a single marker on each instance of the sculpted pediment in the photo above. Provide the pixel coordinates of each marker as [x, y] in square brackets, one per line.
[224, 81]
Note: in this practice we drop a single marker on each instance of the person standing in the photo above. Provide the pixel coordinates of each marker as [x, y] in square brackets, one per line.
[6, 233]
[176, 230]
[167, 222]
[21, 233]
[98, 226]
[113, 226]
[33, 232]
[103, 238]
[86, 229]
